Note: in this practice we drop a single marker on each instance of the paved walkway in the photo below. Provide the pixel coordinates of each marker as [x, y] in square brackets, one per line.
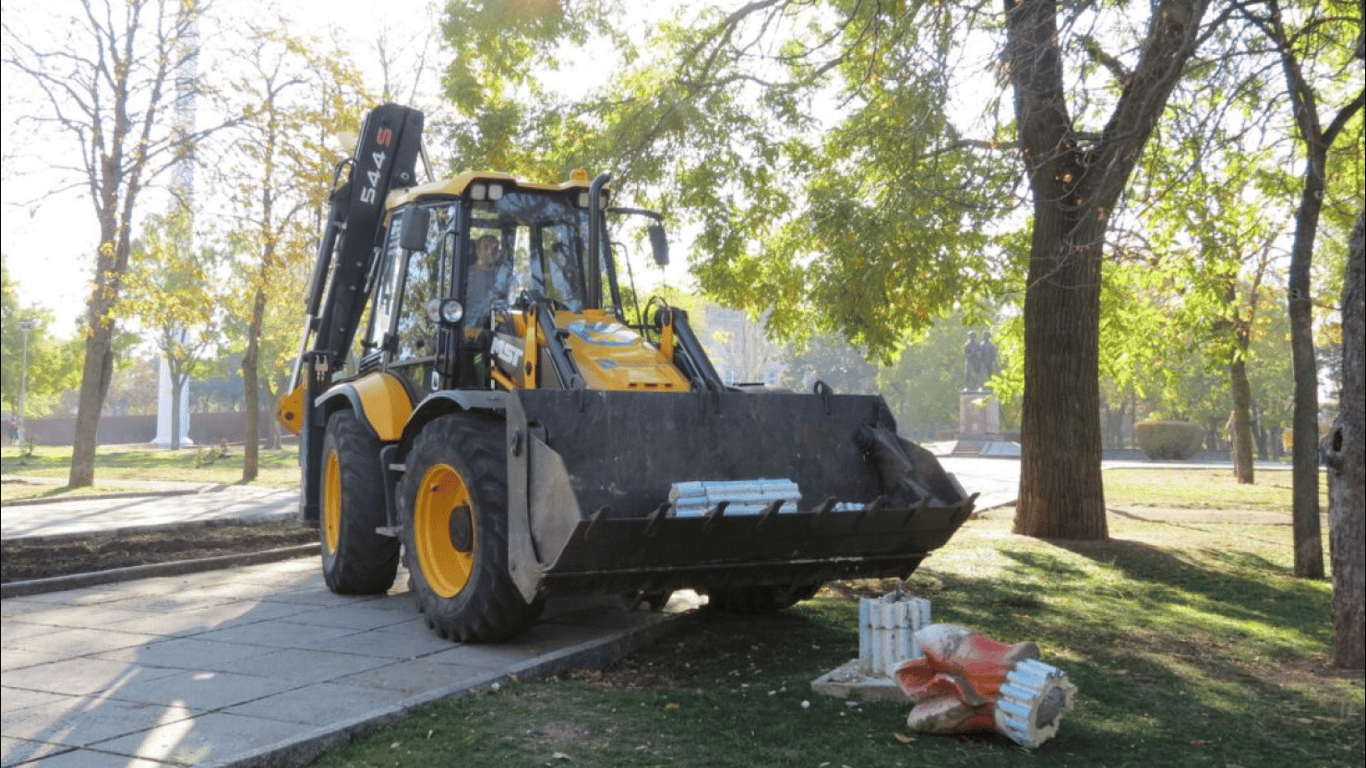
[254, 666]
[157, 508]
[251, 666]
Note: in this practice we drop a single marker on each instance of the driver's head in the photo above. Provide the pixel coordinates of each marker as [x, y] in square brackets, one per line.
[486, 252]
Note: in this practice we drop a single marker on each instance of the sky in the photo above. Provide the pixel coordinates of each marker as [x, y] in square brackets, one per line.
[48, 231]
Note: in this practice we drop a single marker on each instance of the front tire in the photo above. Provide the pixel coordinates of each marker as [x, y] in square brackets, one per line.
[453, 504]
[356, 559]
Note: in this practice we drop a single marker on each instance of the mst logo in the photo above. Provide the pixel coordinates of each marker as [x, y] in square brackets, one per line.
[384, 137]
[506, 351]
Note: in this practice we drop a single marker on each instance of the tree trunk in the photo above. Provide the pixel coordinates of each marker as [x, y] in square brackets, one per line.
[1345, 455]
[1259, 433]
[1061, 495]
[1307, 531]
[251, 386]
[176, 383]
[1075, 184]
[95, 376]
[110, 263]
[1300, 299]
[1241, 437]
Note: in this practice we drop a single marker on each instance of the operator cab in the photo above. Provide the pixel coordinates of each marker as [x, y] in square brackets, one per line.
[474, 270]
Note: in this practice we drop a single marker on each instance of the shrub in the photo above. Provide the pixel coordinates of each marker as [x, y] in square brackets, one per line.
[1168, 440]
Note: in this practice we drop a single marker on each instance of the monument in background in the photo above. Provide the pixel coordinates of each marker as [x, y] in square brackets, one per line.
[163, 436]
[979, 412]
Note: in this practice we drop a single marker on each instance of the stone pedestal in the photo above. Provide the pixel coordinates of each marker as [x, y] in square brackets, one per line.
[979, 415]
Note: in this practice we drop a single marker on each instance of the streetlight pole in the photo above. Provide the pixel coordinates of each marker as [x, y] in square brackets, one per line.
[25, 326]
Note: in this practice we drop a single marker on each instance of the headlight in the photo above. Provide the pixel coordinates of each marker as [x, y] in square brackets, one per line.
[446, 311]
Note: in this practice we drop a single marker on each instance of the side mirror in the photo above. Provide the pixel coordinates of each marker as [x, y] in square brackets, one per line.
[413, 237]
[659, 243]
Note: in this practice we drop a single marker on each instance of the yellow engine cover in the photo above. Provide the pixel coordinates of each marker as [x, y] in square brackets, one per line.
[614, 357]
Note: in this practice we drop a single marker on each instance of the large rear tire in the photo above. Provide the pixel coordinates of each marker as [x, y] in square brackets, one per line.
[356, 559]
[453, 504]
[755, 601]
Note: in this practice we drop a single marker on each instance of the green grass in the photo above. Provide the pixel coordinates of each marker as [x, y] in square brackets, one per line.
[1190, 642]
[1204, 489]
[115, 463]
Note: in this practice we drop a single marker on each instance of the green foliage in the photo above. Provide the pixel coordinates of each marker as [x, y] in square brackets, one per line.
[174, 291]
[841, 365]
[867, 220]
[53, 365]
[1168, 440]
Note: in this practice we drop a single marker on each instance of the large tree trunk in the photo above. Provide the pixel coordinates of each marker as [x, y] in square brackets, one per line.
[1075, 184]
[1345, 454]
[1061, 495]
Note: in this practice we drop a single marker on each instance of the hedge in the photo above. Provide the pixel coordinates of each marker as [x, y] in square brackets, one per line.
[1169, 440]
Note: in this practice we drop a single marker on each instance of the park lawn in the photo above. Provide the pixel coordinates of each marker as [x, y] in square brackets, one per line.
[1188, 638]
[1205, 489]
[123, 467]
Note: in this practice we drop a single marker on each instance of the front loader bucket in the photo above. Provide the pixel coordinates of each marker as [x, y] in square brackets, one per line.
[590, 475]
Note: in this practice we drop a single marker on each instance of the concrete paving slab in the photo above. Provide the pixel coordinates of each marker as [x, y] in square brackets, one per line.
[14, 751]
[80, 676]
[70, 641]
[180, 653]
[275, 634]
[14, 699]
[201, 690]
[303, 666]
[82, 722]
[406, 640]
[87, 758]
[207, 739]
[195, 622]
[19, 658]
[415, 676]
[321, 704]
[358, 618]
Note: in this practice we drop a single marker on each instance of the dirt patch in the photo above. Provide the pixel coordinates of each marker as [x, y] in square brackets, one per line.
[24, 559]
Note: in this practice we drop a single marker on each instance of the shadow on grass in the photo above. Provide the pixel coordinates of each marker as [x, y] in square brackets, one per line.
[1185, 645]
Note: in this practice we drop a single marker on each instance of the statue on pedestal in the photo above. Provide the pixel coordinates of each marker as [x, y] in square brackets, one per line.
[979, 362]
[972, 355]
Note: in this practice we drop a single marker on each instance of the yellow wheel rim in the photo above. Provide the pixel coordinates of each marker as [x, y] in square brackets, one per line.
[441, 496]
[332, 502]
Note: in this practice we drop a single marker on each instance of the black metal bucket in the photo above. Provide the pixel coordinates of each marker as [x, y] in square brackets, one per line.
[590, 473]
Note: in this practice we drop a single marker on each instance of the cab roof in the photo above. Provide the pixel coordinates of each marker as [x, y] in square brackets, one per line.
[458, 185]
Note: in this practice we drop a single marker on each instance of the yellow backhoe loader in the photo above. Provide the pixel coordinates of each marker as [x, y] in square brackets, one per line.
[470, 395]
